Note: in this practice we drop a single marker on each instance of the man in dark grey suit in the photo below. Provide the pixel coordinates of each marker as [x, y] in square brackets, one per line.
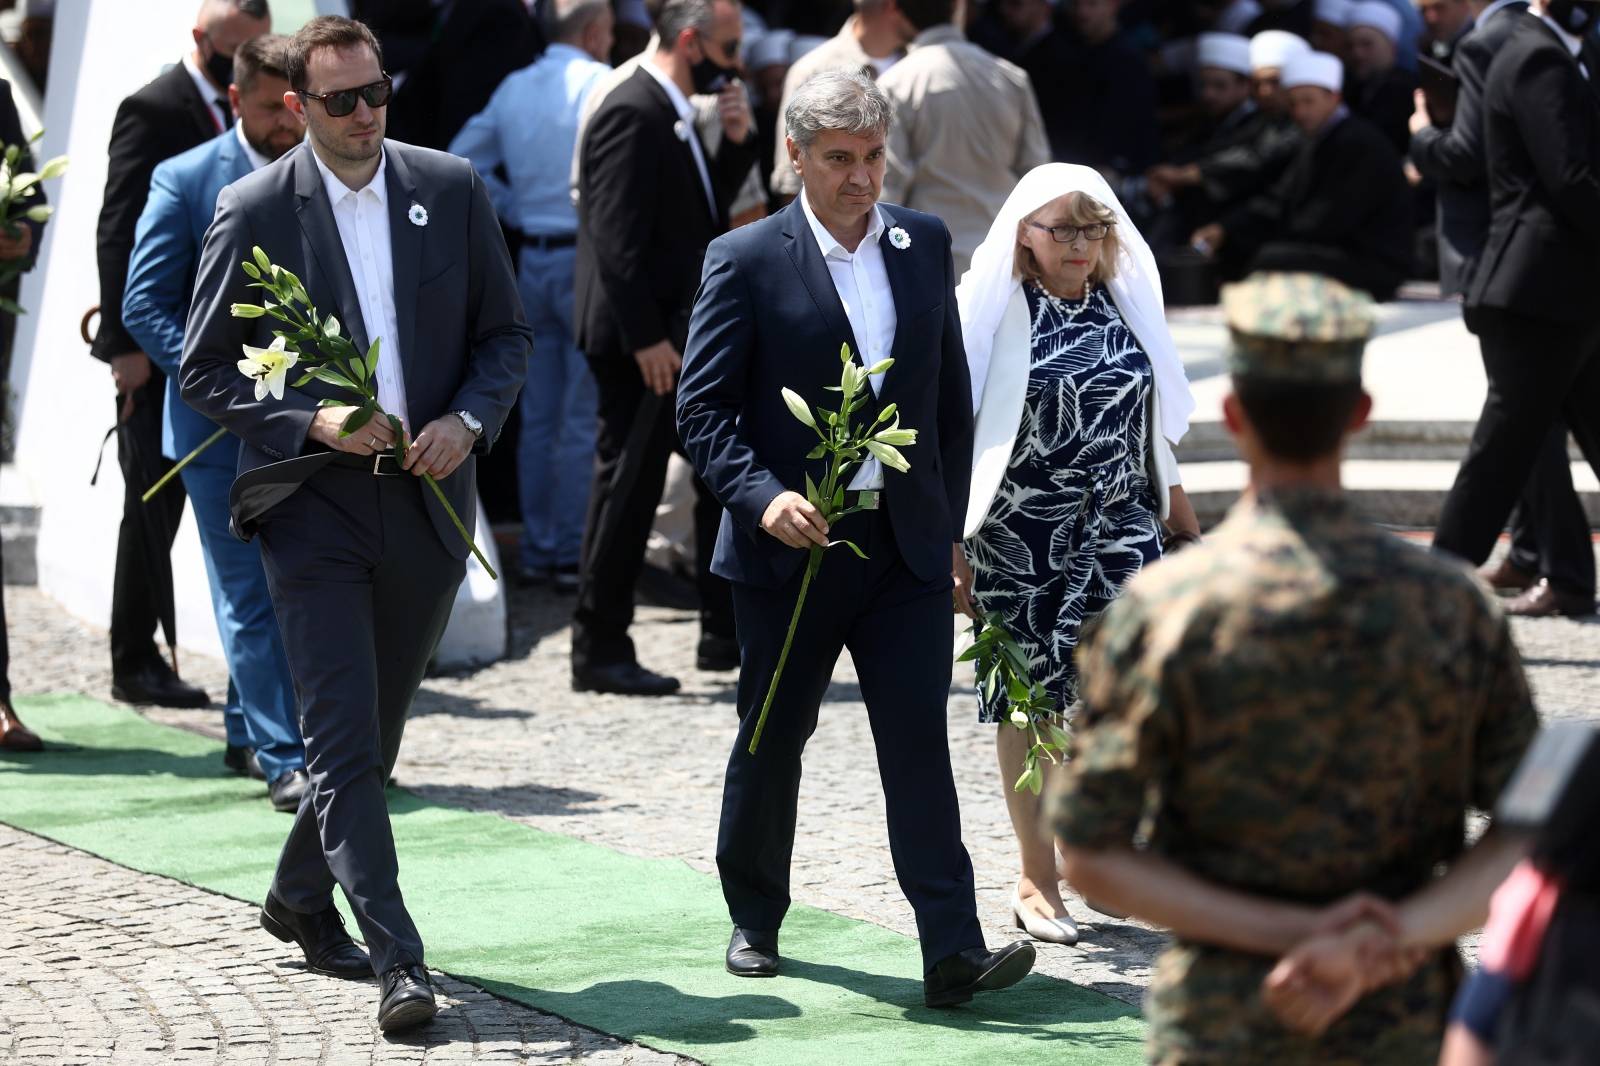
[401, 243]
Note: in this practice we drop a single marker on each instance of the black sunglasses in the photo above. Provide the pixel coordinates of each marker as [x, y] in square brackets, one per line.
[1095, 231]
[341, 103]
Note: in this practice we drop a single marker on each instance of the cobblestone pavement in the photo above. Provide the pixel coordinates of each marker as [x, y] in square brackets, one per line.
[644, 776]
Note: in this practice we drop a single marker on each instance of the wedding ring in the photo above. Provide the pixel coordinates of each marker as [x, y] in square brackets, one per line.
[372, 442]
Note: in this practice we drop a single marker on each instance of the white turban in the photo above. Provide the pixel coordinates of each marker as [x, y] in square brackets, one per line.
[1314, 68]
[1225, 51]
[1378, 15]
[771, 49]
[1334, 12]
[1238, 16]
[1271, 49]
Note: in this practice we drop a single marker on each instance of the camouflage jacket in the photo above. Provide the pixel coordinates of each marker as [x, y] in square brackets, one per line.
[1302, 707]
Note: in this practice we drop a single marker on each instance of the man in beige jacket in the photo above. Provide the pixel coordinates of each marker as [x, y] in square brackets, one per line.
[966, 127]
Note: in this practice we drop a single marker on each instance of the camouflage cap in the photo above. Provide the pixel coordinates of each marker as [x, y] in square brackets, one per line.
[1298, 328]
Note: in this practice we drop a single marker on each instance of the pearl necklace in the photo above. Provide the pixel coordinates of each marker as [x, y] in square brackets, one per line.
[1063, 305]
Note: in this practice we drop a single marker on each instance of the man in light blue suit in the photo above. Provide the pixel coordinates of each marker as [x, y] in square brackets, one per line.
[261, 712]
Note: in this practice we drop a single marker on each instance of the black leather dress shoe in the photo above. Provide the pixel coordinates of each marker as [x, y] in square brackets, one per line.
[717, 653]
[625, 679]
[327, 947]
[752, 953]
[155, 683]
[407, 999]
[288, 790]
[242, 761]
[954, 980]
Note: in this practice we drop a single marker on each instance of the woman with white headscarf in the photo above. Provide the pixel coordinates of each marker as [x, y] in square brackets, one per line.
[1080, 396]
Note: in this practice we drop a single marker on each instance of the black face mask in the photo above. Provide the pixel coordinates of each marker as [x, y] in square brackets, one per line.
[220, 68]
[1577, 17]
[709, 76]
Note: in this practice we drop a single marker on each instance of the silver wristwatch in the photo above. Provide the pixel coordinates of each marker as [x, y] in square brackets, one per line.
[470, 420]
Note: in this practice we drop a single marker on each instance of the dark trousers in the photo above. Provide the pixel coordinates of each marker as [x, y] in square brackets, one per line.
[143, 578]
[362, 587]
[1540, 373]
[900, 636]
[1549, 529]
[637, 434]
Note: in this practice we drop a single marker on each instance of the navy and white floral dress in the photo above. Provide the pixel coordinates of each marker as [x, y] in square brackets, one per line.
[1075, 515]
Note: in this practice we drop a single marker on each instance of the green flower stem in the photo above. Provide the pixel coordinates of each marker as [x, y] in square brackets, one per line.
[813, 564]
[456, 521]
[170, 474]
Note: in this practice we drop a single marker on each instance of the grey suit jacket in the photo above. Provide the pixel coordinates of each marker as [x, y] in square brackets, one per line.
[463, 339]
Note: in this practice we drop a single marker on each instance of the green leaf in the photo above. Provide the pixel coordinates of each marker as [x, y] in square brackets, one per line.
[798, 408]
[305, 379]
[813, 494]
[11, 307]
[1060, 737]
[888, 456]
[372, 357]
[848, 544]
[358, 418]
[326, 401]
[969, 655]
[330, 326]
[818, 452]
[838, 497]
[333, 377]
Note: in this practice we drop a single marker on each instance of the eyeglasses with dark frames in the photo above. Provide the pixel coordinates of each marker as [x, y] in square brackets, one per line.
[342, 102]
[1094, 231]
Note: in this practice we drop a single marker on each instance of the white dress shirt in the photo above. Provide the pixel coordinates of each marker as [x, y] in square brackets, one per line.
[363, 220]
[257, 160]
[209, 94]
[685, 128]
[862, 282]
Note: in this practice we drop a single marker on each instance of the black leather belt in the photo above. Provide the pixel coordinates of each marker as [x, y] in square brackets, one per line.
[382, 464]
[544, 242]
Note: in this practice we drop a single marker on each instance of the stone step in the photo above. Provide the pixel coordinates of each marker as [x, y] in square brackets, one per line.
[1406, 493]
[1399, 440]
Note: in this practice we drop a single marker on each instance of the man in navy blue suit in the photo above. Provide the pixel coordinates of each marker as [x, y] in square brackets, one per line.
[776, 301]
[260, 714]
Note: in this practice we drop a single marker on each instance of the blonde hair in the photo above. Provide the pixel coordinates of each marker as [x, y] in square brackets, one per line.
[1082, 210]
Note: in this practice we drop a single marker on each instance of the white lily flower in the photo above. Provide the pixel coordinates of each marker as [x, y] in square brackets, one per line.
[268, 367]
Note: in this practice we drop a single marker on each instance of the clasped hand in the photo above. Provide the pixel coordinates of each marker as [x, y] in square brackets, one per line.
[442, 445]
[1353, 949]
[794, 520]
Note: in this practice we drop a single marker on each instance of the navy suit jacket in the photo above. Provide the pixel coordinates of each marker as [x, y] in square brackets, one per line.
[166, 254]
[767, 317]
[463, 339]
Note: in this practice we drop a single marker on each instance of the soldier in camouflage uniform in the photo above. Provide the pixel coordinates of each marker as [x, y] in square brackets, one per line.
[1296, 712]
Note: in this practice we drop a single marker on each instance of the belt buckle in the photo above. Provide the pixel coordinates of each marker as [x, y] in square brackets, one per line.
[377, 465]
[867, 499]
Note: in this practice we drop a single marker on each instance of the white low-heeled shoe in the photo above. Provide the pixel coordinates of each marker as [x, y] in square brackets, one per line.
[1061, 930]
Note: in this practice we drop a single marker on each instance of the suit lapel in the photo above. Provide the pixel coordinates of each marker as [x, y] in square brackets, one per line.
[685, 152]
[231, 159]
[897, 263]
[315, 213]
[205, 120]
[807, 259]
[405, 248]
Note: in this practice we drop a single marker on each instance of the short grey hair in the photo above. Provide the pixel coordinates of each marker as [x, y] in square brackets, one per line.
[676, 16]
[567, 19]
[846, 100]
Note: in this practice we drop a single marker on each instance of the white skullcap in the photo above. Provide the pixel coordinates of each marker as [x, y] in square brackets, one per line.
[1274, 48]
[803, 43]
[1314, 68]
[1238, 16]
[1225, 51]
[771, 49]
[1378, 15]
[1333, 12]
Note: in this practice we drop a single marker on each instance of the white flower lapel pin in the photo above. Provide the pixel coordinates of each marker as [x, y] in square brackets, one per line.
[900, 238]
[681, 128]
[418, 215]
